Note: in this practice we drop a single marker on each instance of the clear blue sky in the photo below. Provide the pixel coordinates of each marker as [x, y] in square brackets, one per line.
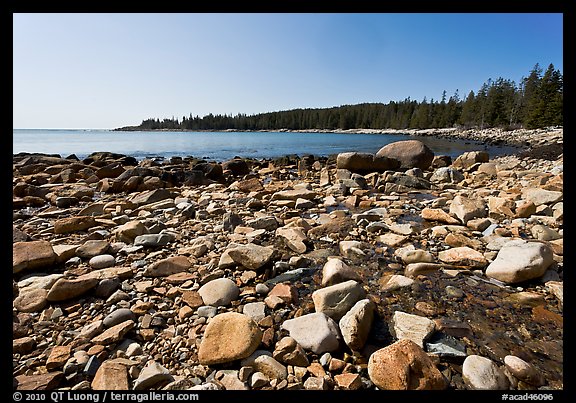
[110, 70]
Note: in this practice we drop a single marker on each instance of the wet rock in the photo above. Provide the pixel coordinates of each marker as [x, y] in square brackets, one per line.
[415, 269]
[446, 347]
[237, 166]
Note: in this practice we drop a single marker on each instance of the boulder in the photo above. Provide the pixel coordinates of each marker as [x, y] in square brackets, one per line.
[365, 162]
[410, 153]
[404, 366]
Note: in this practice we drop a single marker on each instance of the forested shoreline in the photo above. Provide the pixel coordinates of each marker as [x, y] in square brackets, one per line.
[535, 102]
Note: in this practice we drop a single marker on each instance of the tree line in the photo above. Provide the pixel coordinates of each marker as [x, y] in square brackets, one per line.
[535, 102]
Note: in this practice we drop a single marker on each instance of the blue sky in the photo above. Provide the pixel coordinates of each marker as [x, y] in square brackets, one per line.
[95, 70]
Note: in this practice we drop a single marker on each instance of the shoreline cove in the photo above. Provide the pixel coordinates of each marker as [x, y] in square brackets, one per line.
[290, 274]
[225, 144]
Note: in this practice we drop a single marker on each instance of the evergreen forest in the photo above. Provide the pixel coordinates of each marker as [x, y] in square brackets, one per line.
[535, 102]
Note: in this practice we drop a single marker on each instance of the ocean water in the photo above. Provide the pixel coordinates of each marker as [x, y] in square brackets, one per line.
[221, 146]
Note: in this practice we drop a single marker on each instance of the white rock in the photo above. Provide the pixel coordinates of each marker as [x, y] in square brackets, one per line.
[219, 292]
[520, 261]
[316, 332]
[412, 327]
[480, 373]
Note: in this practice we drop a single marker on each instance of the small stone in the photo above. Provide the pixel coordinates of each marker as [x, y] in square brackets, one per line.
[152, 374]
[523, 370]
[290, 352]
[58, 357]
[102, 261]
[219, 292]
[480, 373]
[348, 381]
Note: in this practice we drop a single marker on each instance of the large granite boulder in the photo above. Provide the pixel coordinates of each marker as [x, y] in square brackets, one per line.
[410, 153]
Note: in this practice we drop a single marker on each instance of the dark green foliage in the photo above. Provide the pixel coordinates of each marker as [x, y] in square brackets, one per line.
[536, 102]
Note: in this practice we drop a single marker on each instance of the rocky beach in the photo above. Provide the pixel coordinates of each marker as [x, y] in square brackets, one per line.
[400, 270]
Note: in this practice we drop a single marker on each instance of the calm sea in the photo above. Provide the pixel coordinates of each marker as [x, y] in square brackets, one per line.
[221, 146]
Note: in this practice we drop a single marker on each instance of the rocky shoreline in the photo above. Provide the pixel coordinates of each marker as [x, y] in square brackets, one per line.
[405, 271]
